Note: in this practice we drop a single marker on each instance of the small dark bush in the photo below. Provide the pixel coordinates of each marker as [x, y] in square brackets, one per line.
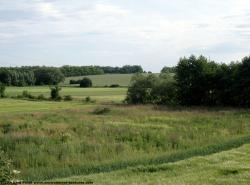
[74, 81]
[87, 99]
[7, 128]
[101, 110]
[55, 93]
[85, 82]
[26, 94]
[2, 90]
[114, 85]
[41, 97]
[229, 171]
[68, 98]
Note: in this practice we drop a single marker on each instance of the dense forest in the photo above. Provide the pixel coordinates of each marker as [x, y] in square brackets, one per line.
[35, 75]
[197, 82]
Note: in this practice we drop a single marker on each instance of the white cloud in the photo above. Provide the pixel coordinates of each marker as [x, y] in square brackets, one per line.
[48, 10]
[148, 29]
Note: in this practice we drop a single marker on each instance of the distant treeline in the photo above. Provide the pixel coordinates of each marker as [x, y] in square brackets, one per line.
[96, 70]
[198, 82]
[35, 75]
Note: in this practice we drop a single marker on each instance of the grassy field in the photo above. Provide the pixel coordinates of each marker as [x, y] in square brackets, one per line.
[224, 168]
[105, 80]
[101, 94]
[60, 139]
[108, 79]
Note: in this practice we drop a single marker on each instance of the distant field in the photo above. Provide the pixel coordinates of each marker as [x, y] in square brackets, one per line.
[113, 94]
[105, 80]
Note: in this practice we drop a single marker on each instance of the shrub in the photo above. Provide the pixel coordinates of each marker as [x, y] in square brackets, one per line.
[74, 81]
[55, 95]
[85, 82]
[101, 110]
[41, 97]
[2, 90]
[152, 89]
[164, 92]
[140, 89]
[87, 99]
[26, 94]
[114, 85]
[7, 128]
[68, 98]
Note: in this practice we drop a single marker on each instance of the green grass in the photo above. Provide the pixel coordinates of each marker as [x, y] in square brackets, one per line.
[102, 94]
[105, 80]
[224, 168]
[58, 139]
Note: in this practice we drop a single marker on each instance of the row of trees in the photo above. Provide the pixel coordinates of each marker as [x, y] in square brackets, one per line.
[127, 69]
[97, 70]
[81, 70]
[28, 76]
[197, 81]
[35, 75]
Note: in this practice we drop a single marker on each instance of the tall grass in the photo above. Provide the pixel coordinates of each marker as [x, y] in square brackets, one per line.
[49, 173]
[77, 140]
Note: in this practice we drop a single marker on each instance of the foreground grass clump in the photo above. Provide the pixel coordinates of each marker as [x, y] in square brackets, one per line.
[101, 110]
[71, 140]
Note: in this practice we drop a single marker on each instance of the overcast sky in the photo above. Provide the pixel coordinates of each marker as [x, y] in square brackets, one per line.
[151, 33]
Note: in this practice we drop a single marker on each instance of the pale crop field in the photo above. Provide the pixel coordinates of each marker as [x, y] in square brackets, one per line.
[105, 80]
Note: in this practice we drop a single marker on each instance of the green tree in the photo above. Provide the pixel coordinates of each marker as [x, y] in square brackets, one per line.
[242, 83]
[168, 70]
[86, 82]
[164, 92]
[2, 90]
[48, 76]
[194, 77]
[55, 93]
[140, 89]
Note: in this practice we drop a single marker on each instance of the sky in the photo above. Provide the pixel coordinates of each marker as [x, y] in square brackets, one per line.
[150, 33]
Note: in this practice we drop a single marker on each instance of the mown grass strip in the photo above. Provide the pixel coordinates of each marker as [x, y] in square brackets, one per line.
[49, 173]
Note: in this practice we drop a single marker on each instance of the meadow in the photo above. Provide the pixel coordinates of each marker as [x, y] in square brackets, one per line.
[48, 140]
[100, 94]
[105, 80]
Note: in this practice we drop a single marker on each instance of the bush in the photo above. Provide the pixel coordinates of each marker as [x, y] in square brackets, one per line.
[55, 93]
[87, 99]
[164, 93]
[140, 89]
[41, 97]
[85, 82]
[7, 128]
[26, 94]
[74, 81]
[114, 85]
[68, 98]
[2, 90]
[101, 110]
